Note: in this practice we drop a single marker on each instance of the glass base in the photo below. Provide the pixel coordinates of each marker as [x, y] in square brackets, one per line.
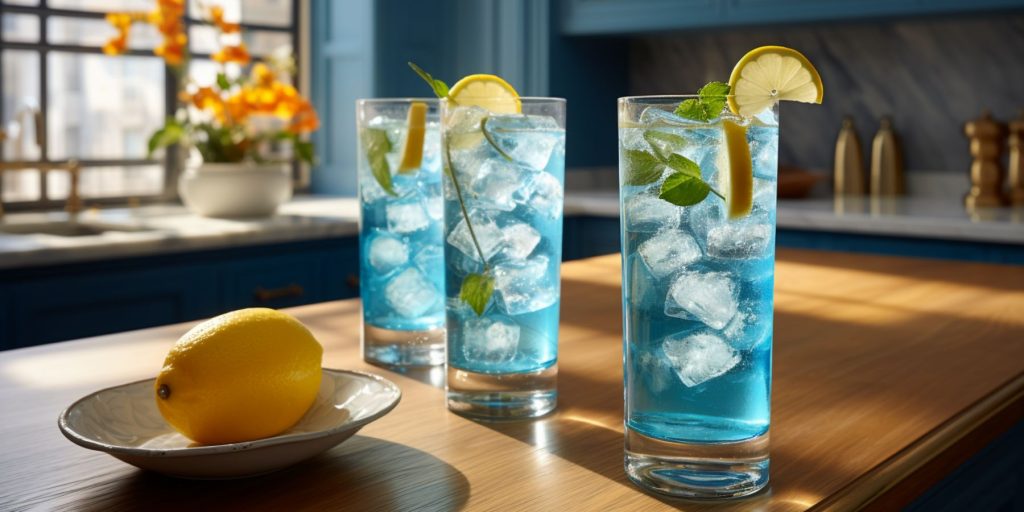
[506, 396]
[390, 347]
[701, 471]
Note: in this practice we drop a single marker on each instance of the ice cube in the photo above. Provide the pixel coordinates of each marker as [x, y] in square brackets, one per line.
[748, 329]
[520, 240]
[490, 339]
[633, 139]
[410, 293]
[529, 140]
[488, 234]
[429, 259]
[698, 358]
[462, 127]
[407, 215]
[433, 201]
[645, 212]
[497, 184]
[386, 252]
[669, 251]
[545, 195]
[655, 116]
[708, 297]
[737, 240]
[523, 286]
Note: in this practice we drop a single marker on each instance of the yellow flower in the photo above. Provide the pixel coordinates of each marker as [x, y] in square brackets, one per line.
[217, 18]
[228, 54]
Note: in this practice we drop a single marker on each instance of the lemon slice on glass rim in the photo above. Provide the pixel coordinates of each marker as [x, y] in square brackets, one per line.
[769, 74]
[488, 92]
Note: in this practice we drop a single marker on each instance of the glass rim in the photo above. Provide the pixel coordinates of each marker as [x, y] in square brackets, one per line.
[528, 99]
[661, 97]
[396, 100]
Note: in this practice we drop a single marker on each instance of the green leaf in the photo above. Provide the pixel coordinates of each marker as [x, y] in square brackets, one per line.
[304, 151]
[707, 106]
[713, 90]
[171, 133]
[663, 143]
[376, 144]
[223, 82]
[641, 167]
[680, 163]
[476, 291]
[694, 109]
[683, 189]
[440, 88]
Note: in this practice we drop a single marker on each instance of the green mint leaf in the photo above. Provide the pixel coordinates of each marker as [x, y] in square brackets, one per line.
[440, 88]
[713, 90]
[641, 167]
[476, 291]
[680, 163]
[304, 151]
[171, 133]
[223, 82]
[692, 109]
[683, 189]
[663, 143]
[376, 145]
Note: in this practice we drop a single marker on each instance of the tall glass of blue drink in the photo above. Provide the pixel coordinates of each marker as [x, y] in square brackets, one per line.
[503, 188]
[697, 304]
[400, 233]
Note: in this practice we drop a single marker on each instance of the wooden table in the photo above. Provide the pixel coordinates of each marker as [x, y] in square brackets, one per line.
[888, 372]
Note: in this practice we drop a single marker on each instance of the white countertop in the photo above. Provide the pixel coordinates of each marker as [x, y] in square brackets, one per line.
[163, 229]
[939, 218]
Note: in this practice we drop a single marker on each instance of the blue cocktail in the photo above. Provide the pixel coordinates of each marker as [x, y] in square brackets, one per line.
[697, 301]
[400, 236]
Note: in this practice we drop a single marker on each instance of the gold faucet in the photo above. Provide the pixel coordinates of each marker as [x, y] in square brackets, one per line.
[74, 202]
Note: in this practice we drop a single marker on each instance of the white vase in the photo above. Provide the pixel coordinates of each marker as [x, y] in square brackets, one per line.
[235, 190]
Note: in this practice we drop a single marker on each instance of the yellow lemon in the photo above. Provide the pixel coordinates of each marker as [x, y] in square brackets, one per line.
[488, 92]
[243, 375]
[768, 74]
[415, 132]
[740, 186]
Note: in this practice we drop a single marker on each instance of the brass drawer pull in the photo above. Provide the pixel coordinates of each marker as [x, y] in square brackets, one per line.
[263, 295]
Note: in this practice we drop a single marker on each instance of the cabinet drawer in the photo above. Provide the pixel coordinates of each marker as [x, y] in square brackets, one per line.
[275, 282]
[60, 308]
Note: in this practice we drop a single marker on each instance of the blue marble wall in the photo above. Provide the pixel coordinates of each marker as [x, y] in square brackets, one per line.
[930, 75]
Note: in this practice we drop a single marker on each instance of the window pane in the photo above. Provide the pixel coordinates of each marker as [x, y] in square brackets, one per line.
[21, 186]
[20, 99]
[118, 181]
[103, 107]
[204, 72]
[96, 32]
[21, 2]
[258, 12]
[22, 28]
[103, 5]
[203, 39]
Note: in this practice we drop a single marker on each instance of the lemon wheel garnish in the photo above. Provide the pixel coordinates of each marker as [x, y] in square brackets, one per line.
[488, 92]
[740, 186]
[769, 74]
[415, 131]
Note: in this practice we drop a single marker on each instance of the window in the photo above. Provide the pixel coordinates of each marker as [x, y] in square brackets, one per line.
[99, 109]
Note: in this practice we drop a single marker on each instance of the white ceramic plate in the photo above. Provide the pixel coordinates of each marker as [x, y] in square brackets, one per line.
[124, 421]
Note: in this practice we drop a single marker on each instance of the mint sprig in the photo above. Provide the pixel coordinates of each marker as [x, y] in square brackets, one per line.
[707, 105]
[376, 145]
[476, 288]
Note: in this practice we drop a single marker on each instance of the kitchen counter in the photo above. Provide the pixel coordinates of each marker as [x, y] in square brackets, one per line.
[936, 218]
[888, 373]
[164, 229]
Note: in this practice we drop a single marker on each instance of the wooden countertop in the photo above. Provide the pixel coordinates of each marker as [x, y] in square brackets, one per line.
[888, 372]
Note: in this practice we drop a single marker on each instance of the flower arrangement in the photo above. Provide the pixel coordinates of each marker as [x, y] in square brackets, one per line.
[232, 120]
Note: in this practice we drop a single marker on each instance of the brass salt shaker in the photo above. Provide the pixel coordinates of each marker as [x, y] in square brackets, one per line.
[1016, 163]
[848, 171]
[886, 162]
[985, 135]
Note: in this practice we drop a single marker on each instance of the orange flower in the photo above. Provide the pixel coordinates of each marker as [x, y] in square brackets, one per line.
[120, 20]
[228, 54]
[172, 49]
[305, 120]
[217, 18]
[263, 75]
[117, 44]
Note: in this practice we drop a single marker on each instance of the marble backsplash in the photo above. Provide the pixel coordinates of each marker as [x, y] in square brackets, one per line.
[929, 75]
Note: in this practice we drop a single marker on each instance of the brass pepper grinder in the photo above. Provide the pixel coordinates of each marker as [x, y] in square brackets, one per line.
[848, 172]
[986, 175]
[1016, 144]
[886, 162]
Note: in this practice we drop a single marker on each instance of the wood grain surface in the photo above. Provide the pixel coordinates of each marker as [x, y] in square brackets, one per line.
[881, 366]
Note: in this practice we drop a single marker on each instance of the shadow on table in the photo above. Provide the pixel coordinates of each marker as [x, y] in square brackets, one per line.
[364, 473]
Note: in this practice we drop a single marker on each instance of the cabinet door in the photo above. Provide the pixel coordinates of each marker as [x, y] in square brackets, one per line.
[274, 282]
[60, 308]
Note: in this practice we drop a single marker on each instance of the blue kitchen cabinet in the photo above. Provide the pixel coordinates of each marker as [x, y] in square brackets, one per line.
[586, 236]
[593, 17]
[53, 303]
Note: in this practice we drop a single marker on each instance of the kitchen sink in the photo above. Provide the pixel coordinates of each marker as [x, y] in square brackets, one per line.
[65, 228]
